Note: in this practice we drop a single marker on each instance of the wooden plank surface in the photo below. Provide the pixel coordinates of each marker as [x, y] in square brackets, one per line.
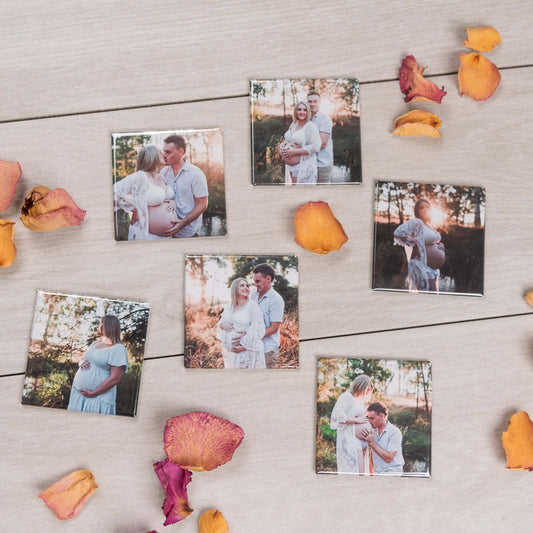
[106, 67]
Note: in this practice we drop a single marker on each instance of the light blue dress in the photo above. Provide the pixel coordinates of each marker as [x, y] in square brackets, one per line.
[101, 359]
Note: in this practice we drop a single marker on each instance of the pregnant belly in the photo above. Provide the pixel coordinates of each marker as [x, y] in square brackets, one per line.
[360, 427]
[435, 254]
[85, 379]
[160, 219]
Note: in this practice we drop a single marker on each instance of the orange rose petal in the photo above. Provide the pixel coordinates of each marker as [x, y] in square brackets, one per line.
[415, 86]
[416, 129]
[212, 521]
[9, 177]
[518, 442]
[174, 481]
[529, 298]
[317, 229]
[478, 77]
[482, 38]
[8, 251]
[46, 210]
[201, 441]
[418, 116]
[67, 496]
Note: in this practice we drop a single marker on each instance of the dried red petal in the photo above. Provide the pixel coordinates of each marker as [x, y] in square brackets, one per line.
[67, 496]
[9, 177]
[201, 441]
[317, 229]
[8, 251]
[415, 86]
[174, 481]
[46, 210]
[518, 442]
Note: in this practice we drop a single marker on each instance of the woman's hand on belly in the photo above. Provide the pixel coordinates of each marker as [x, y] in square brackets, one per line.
[162, 218]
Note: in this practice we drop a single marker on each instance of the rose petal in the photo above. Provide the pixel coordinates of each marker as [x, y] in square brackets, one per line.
[415, 86]
[46, 210]
[478, 77]
[482, 38]
[416, 129]
[174, 481]
[212, 521]
[418, 116]
[317, 229]
[8, 251]
[529, 298]
[9, 177]
[67, 496]
[518, 442]
[201, 441]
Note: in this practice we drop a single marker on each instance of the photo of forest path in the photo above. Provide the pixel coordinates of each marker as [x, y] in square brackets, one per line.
[458, 215]
[208, 279]
[273, 103]
[405, 387]
[63, 328]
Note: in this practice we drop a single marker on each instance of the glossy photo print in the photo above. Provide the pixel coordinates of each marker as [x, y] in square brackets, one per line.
[305, 132]
[241, 312]
[429, 238]
[373, 417]
[168, 184]
[86, 354]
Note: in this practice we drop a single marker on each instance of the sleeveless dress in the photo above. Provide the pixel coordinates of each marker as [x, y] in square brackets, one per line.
[248, 319]
[309, 139]
[101, 359]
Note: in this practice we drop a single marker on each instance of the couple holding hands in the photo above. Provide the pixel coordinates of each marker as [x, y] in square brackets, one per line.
[166, 195]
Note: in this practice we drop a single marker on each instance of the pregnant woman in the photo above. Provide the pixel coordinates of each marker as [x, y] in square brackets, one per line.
[94, 389]
[302, 143]
[147, 197]
[425, 253]
[349, 419]
[241, 329]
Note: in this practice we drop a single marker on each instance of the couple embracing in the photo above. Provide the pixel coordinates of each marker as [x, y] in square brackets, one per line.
[166, 195]
[249, 327]
[360, 427]
[307, 150]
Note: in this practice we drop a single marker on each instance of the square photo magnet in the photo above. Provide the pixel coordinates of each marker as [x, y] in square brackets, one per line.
[168, 184]
[241, 312]
[305, 132]
[429, 238]
[373, 417]
[86, 354]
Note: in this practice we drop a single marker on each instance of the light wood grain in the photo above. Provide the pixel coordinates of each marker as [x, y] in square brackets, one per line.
[67, 57]
[480, 376]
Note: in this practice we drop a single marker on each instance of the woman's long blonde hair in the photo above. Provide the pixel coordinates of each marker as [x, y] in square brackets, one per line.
[148, 159]
[360, 384]
[234, 289]
[295, 116]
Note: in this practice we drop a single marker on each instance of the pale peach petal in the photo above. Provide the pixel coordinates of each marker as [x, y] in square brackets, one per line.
[201, 441]
[8, 251]
[46, 210]
[317, 229]
[518, 442]
[67, 496]
[418, 116]
[478, 77]
[415, 86]
[9, 177]
[416, 129]
[482, 38]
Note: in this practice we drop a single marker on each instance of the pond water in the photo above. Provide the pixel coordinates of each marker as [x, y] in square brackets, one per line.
[213, 226]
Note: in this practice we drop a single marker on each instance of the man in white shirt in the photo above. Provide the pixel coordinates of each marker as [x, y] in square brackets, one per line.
[190, 187]
[385, 441]
[272, 305]
[325, 125]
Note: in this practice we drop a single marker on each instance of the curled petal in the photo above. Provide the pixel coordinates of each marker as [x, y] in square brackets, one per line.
[482, 38]
[174, 481]
[46, 210]
[8, 251]
[417, 122]
[415, 87]
[518, 442]
[478, 77]
[212, 521]
[67, 496]
[201, 441]
[317, 229]
[9, 177]
[529, 298]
